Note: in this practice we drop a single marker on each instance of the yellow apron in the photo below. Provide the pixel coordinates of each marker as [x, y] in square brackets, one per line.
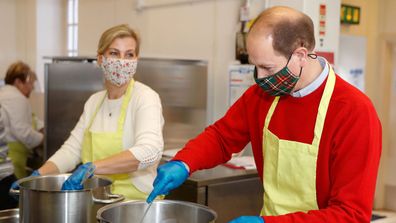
[18, 153]
[100, 145]
[290, 167]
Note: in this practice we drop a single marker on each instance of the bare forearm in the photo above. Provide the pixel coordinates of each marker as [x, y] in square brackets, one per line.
[48, 168]
[123, 162]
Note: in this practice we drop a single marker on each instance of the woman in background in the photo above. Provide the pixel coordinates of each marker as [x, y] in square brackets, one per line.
[21, 133]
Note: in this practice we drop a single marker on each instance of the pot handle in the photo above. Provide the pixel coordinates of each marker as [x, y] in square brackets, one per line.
[14, 192]
[113, 198]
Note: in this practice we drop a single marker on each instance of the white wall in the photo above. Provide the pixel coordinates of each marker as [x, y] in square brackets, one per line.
[8, 30]
[18, 24]
[51, 37]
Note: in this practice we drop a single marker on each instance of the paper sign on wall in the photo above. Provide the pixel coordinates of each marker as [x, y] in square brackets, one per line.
[241, 78]
[352, 62]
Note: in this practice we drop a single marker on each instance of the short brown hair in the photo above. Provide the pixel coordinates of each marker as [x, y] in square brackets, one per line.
[290, 29]
[18, 70]
[115, 32]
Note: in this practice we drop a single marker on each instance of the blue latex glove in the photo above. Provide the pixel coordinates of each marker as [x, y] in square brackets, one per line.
[169, 176]
[15, 185]
[248, 219]
[76, 180]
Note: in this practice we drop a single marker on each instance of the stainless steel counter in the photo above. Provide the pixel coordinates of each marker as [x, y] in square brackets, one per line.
[230, 192]
[219, 174]
[9, 216]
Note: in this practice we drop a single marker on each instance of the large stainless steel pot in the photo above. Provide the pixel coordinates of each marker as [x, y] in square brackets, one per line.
[42, 201]
[164, 211]
[9, 216]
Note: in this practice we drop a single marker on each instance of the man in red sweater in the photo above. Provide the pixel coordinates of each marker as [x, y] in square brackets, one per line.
[316, 139]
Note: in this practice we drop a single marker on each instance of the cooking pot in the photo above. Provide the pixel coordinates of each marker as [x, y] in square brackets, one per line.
[9, 216]
[41, 199]
[161, 211]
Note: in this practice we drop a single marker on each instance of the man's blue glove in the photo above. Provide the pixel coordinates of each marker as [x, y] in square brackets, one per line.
[76, 180]
[248, 219]
[15, 185]
[169, 176]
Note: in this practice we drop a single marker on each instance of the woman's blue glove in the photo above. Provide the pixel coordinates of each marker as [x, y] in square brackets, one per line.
[169, 176]
[15, 185]
[76, 180]
[248, 219]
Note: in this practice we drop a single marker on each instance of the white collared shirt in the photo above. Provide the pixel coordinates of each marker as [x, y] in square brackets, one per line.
[316, 83]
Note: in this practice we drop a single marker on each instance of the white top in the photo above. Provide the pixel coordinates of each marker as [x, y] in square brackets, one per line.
[17, 118]
[142, 132]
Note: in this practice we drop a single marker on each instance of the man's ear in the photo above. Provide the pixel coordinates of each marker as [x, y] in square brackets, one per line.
[302, 55]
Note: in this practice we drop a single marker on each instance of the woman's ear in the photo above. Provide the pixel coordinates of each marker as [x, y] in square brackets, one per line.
[99, 59]
[20, 85]
[18, 82]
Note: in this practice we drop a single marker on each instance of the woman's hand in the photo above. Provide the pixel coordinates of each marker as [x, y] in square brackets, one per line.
[77, 179]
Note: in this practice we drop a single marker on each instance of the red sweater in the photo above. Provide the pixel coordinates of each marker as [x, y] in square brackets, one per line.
[349, 150]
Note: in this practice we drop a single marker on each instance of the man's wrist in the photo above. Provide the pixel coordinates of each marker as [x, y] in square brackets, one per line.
[183, 164]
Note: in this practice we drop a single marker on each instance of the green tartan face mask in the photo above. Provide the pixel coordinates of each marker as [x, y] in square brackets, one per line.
[280, 83]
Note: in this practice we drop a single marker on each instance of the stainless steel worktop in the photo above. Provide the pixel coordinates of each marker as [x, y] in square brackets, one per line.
[9, 216]
[220, 188]
[219, 174]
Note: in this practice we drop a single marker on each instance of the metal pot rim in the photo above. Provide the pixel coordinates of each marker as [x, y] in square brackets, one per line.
[187, 203]
[27, 179]
[9, 213]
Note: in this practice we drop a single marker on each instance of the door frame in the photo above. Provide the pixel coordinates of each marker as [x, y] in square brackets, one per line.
[384, 77]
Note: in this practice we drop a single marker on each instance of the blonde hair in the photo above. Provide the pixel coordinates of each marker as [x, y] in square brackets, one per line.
[18, 70]
[115, 32]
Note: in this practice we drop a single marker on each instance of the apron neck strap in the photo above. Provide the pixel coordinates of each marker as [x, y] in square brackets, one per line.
[323, 106]
[322, 110]
[271, 112]
[124, 107]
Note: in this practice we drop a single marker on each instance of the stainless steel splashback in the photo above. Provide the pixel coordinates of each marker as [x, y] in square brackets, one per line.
[181, 84]
[68, 85]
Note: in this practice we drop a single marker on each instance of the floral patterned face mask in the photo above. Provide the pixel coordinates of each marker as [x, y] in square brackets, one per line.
[118, 71]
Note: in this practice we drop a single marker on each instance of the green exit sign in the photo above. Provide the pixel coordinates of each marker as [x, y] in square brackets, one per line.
[350, 14]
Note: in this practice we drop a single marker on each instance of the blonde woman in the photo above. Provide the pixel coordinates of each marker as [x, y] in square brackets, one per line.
[119, 134]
